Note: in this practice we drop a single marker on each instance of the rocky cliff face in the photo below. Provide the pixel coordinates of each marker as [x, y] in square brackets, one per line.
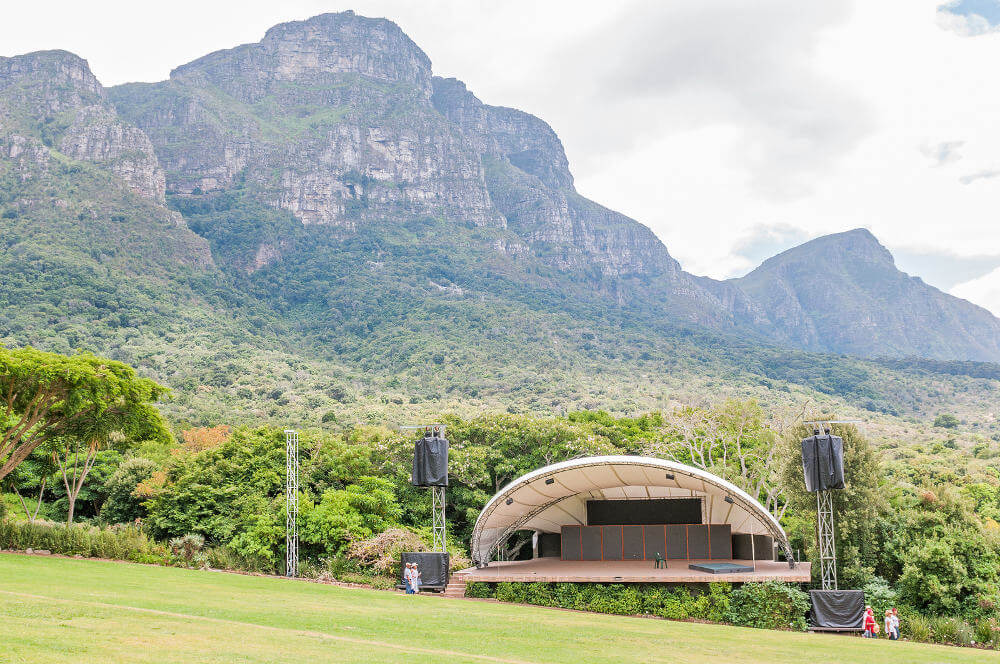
[52, 100]
[78, 164]
[339, 120]
[329, 118]
[843, 293]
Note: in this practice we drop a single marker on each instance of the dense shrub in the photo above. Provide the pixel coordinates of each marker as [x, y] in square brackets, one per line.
[118, 543]
[122, 504]
[768, 605]
[771, 605]
[479, 589]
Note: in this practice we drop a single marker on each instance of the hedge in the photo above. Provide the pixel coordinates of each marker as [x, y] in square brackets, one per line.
[770, 605]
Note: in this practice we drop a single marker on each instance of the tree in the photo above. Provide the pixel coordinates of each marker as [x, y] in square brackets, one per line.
[946, 421]
[33, 474]
[123, 504]
[44, 396]
[731, 441]
[355, 512]
[75, 459]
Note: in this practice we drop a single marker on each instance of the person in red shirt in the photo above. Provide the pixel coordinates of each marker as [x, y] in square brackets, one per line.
[871, 627]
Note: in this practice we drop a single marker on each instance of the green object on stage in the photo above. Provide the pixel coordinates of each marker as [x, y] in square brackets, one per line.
[659, 562]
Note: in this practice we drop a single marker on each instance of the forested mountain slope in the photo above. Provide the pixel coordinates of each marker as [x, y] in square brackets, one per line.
[315, 224]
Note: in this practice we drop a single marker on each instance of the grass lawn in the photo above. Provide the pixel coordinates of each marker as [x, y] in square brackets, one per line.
[68, 610]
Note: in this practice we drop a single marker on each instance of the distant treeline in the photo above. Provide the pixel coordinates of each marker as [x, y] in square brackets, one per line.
[989, 370]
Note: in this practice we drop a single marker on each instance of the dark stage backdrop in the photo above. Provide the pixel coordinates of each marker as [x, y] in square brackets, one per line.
[643, 512]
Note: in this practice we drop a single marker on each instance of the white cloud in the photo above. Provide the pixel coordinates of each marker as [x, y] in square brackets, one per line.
[988, 174]
[984, 291]
[963, 17]
[942, 153]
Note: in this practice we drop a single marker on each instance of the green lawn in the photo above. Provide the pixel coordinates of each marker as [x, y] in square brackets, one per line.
[67, 610]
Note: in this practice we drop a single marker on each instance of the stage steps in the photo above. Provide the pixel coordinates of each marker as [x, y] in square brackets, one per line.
[455, 587]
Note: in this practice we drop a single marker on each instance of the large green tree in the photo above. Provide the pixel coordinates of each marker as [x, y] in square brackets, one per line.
[83, 397]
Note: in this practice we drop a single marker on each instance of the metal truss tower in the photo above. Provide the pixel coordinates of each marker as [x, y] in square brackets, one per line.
[827, 545]
[291, 502]
[437, 511]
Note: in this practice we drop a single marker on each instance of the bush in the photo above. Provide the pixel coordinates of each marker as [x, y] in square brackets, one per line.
[944, 630]
[114, 542]
[479, 589]
[983, 632]
[768, 605]
[188, 549]
[515, 593]
[880, 596]
[917, 628]
[122, 504]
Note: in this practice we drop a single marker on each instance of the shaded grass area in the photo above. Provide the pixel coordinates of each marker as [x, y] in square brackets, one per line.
[55, 609]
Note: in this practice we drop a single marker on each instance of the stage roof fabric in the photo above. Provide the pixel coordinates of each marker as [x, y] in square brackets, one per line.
[553, 496]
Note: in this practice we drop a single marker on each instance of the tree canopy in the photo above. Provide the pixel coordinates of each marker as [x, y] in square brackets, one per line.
[82, 396]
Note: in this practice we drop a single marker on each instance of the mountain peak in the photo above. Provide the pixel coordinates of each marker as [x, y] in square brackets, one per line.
[314, 51]
[54, 79]
[856, 246]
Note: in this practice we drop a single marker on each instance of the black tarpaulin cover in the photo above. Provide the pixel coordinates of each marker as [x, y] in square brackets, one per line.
[839, 609]
[430, 462]
[823, 462]
[432, 565]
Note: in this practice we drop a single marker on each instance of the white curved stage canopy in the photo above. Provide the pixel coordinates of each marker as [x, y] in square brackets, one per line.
[553, 496]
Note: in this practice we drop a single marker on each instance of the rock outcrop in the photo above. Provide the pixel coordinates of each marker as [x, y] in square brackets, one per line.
[51, 99]
[329, 118]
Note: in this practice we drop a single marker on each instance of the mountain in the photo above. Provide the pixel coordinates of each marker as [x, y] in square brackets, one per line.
[315, 223]
[843, 293]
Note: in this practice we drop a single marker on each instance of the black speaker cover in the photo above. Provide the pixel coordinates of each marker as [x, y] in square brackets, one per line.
[823, 462]
[838, 609]
[433, 568]
[430, 462]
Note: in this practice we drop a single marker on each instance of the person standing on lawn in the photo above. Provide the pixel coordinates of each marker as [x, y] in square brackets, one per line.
[870, 625]
[408, 578]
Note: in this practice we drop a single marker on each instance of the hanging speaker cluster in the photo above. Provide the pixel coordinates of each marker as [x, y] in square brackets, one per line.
[823, 461]
[430, 460]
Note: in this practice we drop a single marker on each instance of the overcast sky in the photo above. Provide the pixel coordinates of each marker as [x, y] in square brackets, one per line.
[732, 129]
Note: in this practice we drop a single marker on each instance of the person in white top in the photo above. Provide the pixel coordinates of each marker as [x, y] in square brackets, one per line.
[408, 578]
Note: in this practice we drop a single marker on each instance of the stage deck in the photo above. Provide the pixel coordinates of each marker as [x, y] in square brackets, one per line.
[629, 571]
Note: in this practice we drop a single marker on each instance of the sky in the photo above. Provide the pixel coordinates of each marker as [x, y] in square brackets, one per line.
[734, 130]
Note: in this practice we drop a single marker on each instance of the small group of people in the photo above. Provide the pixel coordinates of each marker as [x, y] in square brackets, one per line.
[411, 578]
[890, 623]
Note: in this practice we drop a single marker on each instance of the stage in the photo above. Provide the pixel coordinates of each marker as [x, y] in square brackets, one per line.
[554, 570]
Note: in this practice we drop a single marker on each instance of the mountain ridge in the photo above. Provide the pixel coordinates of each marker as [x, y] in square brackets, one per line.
[320, 232]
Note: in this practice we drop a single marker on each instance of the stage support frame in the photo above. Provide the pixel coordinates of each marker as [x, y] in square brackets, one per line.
[437, 510]
[827, 544]
[291, 503]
